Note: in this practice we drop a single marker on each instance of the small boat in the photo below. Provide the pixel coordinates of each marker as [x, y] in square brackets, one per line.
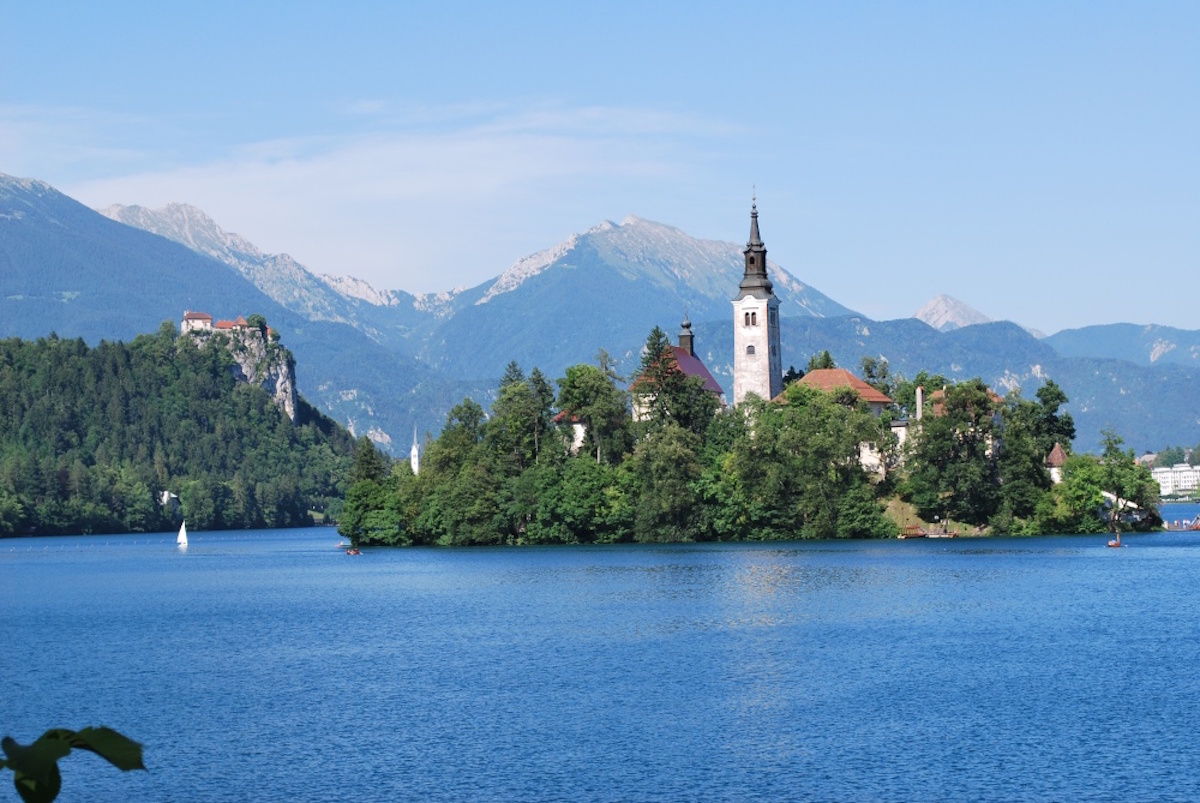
[353, 551]
[181, 539]
[1115, 542]
[914, 531]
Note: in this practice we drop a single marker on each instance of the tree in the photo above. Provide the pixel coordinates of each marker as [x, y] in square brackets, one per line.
[257, 321]
[1169, 457]
[369, 464]
[513, 375]
[904, 392]
[364, 499]
[665, 395]
[584, 504]
[462, 433]
[1051, 426]
[657, 378]
[589, 395]
[875, 372]
[91, 438]
[792, 375]
[952, 469]
[1129, 486]
[1076, 504]
[1029, 432]
[794, 471]
[820, 360]
[512, 430]
[664, 467]
[608, 366]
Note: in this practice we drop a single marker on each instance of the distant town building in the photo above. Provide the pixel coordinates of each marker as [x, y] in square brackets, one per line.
[1177, 480]
[757, 357]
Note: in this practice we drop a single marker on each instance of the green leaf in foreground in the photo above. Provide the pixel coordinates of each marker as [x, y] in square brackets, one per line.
[35, 767]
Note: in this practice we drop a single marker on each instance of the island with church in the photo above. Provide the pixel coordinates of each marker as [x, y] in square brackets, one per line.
[593, 457]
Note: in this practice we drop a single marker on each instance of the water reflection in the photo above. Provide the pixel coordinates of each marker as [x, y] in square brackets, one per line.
[708, 671]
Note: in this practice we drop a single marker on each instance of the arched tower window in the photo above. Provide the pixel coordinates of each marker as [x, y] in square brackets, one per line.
[747, 319]
[749, 349]
[754, 319]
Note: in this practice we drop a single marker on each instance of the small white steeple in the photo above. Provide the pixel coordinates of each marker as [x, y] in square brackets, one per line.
[414, 457]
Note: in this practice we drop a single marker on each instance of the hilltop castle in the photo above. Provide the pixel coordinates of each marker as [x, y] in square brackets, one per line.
[257, 357]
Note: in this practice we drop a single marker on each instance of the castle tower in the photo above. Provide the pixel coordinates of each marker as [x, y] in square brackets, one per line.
[757, 360]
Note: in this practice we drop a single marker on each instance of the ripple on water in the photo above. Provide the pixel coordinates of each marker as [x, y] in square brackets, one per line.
[268, 666]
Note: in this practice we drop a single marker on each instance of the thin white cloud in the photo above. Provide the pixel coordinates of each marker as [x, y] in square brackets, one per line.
[419, 209]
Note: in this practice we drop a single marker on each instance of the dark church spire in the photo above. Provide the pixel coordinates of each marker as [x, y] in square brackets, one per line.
[686, 341]
[755, 276]
[755, 238]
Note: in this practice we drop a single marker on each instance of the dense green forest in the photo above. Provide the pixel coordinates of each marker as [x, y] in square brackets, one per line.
[689, 470]
[90, 438]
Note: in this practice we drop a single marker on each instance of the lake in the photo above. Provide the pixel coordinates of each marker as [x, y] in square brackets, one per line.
[272, 666]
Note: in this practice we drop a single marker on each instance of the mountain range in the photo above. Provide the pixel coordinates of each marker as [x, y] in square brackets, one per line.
[383, 361]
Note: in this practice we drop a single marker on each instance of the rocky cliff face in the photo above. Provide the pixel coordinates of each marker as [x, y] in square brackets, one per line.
[257, 361]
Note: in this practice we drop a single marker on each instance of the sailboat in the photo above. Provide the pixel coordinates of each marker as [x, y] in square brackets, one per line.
[1116, 542]
[181, 539]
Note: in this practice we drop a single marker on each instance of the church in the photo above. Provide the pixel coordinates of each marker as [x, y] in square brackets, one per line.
[757, 358]
[757, 350]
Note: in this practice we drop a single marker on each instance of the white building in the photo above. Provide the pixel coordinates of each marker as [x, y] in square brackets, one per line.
[1180, 478]
[195, 322]
[757, 358]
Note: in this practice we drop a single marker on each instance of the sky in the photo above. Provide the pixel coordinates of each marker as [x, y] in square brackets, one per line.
[1036, 160]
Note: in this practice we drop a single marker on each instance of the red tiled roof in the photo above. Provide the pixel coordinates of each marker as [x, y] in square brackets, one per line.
[1057, 456]
[830, 379]
[196, 316]
[223, 325]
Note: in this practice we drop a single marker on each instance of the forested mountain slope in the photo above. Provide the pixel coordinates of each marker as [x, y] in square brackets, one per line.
[91, 437]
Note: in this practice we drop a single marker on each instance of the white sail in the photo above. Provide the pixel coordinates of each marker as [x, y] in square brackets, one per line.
[182, 538]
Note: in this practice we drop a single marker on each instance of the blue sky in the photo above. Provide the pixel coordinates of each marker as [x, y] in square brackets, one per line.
[1038, 161]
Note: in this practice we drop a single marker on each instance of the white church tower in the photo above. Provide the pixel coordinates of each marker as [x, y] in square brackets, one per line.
[757, 360]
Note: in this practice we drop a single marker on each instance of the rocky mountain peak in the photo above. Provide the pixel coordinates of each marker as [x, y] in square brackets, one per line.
[946, 313]
[187, 225]
[16, 184]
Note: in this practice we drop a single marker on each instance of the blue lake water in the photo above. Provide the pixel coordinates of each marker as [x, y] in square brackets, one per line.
[271, 666]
